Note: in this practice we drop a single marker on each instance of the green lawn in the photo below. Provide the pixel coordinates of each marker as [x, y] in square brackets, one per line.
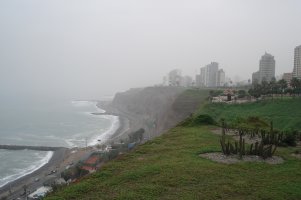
[169, 168]
[285, 113]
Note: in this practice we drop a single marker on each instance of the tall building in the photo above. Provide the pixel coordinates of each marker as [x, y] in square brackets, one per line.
[297, 62]
[255, 77]
[209, 75]
[203, 77]
[266, 67]
[287, 77]
[198, 80]
[220, 79]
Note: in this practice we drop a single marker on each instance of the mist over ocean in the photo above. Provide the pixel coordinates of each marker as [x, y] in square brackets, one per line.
[46, 122]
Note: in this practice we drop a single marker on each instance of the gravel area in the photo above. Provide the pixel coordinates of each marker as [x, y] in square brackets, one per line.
[231, 159]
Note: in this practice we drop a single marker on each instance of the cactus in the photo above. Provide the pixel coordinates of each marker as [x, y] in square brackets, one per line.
[251, 149]
[232, 150]
[236, 147]
[266, 148]
[222, 142]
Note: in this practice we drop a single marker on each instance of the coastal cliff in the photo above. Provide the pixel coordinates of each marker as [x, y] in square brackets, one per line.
[156, 109]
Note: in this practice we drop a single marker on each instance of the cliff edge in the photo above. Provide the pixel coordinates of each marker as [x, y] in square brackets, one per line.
[156, 109]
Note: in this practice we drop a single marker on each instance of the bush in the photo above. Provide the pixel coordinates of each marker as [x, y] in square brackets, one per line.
[204, 120]
[289, 139]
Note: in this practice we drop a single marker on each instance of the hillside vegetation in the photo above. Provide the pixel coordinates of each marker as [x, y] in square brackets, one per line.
[169, 166]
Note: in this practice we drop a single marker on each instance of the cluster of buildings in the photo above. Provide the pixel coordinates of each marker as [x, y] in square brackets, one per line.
[210, 76]
[266, 70]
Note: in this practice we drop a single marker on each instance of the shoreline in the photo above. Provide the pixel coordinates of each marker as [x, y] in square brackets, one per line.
[30, 171]
[59, 161]
[17, 185]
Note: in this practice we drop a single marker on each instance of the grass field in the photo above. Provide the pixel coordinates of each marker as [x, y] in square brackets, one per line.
[169, 167]
[285, 113]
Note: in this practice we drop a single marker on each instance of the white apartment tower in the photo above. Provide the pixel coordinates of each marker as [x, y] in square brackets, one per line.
[297, 62]
[209, 75]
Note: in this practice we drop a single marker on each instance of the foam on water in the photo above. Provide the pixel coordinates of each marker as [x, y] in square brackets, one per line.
[104, 137]
[39, 159]
[98, 136]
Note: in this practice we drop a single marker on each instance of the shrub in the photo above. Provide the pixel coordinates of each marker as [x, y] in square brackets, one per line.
[204, 120]
[188, 121]
[289, 139]
[242, 93]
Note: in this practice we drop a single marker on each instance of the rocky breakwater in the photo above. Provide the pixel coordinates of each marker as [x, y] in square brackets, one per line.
[36, 148]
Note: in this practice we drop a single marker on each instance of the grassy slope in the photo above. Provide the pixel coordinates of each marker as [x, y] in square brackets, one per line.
[285, 113]
[169, 168]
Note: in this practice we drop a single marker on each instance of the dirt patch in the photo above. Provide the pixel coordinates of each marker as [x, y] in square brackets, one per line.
[231, 159]
[296, 155]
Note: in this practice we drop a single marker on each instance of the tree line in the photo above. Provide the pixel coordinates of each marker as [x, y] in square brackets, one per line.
[276, 87]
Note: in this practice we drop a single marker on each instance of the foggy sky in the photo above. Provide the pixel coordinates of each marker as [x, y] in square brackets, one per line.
[91, 48]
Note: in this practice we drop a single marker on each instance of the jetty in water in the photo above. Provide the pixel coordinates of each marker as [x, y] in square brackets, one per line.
[23, 147]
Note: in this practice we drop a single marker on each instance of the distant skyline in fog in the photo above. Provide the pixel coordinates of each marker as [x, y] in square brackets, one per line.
[87, 49]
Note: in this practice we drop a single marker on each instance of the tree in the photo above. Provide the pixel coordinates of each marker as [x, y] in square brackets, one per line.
[241, 93]
[289, 91]
[296, 85]
[273, 86]
[283, 85]
[265, 87]
[255, 91]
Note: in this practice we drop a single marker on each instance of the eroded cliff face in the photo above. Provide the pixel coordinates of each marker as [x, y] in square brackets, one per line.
[156, 109]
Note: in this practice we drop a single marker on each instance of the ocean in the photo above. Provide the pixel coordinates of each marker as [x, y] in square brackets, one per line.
[59, 123]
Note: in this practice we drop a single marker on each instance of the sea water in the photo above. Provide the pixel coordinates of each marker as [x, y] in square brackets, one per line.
[59, 123]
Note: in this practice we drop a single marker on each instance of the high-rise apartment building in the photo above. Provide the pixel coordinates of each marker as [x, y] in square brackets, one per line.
[266, 67]
[255, 77]
[297, 62]
[220, 79]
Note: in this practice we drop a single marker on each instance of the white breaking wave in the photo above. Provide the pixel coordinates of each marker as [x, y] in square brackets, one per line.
[99, 137]
[23, 172]
[104, 137]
